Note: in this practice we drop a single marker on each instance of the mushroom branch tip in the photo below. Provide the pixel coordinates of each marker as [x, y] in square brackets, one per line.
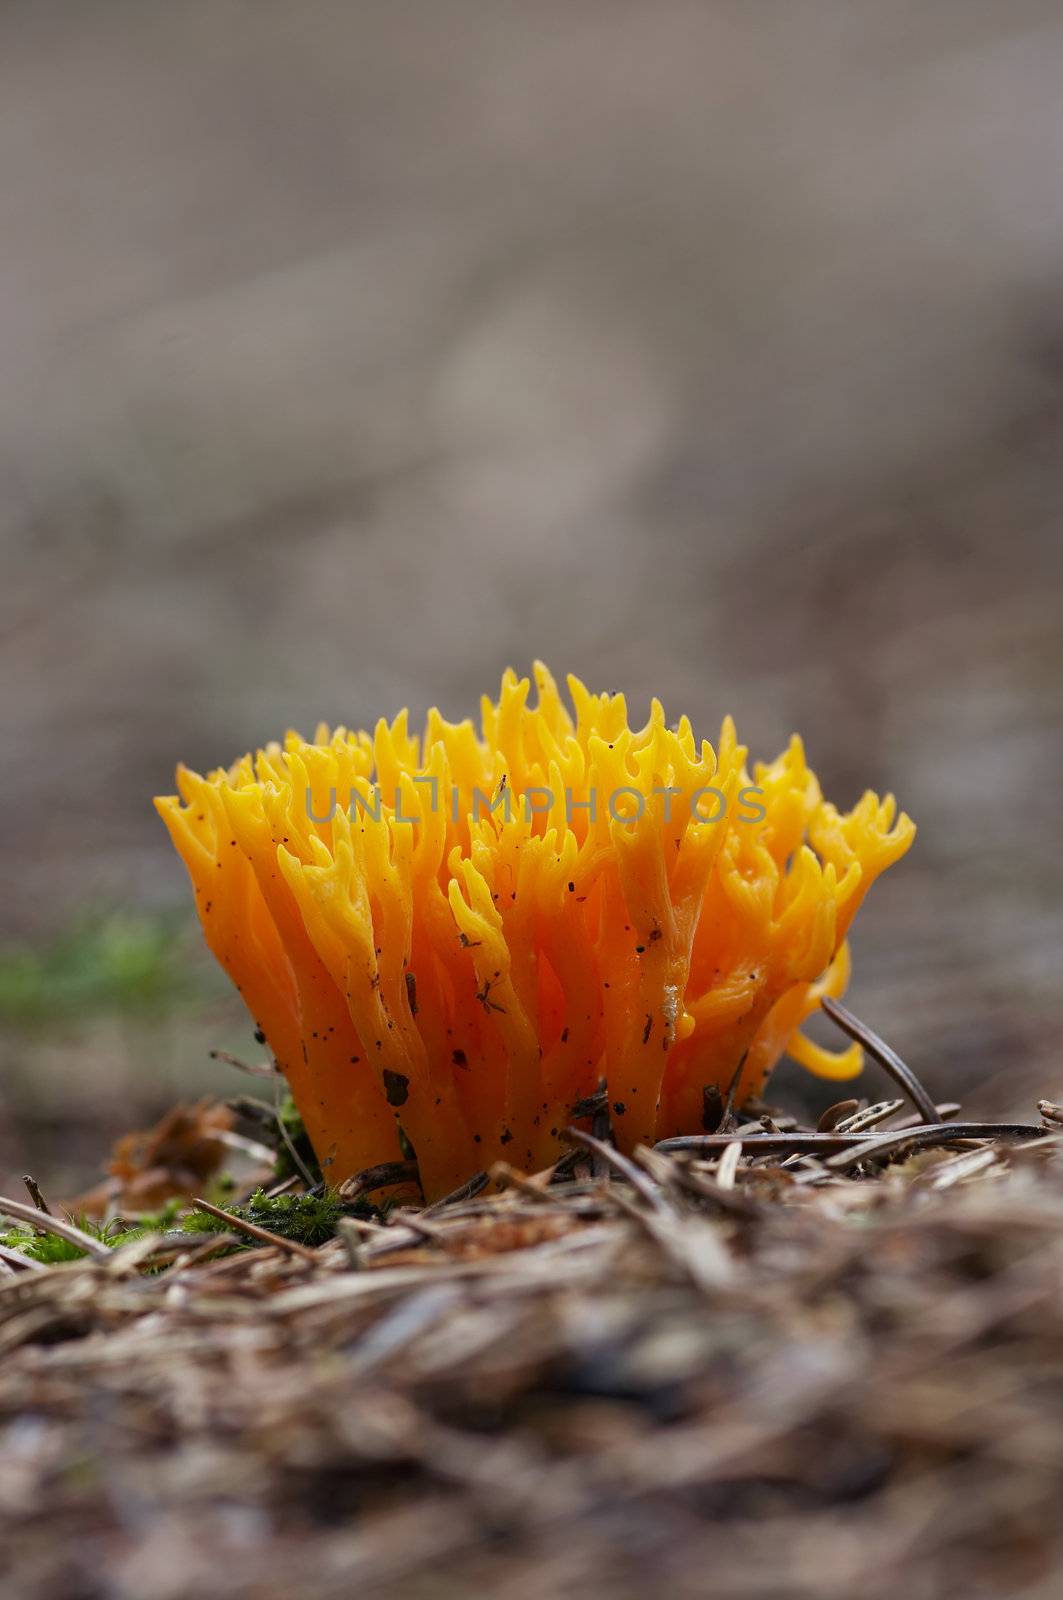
[449, 940]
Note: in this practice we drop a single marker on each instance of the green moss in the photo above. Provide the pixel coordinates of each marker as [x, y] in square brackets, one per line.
[50, 1249]
[307, 1219]
[44, 1247]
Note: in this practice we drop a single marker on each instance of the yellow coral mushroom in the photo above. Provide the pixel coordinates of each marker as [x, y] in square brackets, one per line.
[462, 934]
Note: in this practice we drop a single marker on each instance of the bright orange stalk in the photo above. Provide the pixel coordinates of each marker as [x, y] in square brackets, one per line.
[420, 959]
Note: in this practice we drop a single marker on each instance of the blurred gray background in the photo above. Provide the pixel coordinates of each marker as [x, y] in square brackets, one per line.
[351, 351]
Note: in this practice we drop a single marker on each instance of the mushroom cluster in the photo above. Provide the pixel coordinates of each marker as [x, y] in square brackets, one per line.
[460, 935]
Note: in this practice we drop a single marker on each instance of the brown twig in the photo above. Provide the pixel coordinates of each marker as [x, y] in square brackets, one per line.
[297, 1161]
[591, 1104]
[620, 1163]
[836, 1143]
[922, 1137]
[732, 1090]
[887, 1058]
[254, 1069]
[536, 1188]
[44, 1222]
[253, 1231]
[383, 1176]
[33, 1189]
[466, 1191]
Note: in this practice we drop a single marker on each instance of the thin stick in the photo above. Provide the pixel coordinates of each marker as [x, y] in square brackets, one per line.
[613, 1158]
[511, 1178]
[899, 1070]
[761, 1143]
[382, 1176]
[467, 1191]
[835, 1143]
[945, 1110]
[297, 1159]
[34, 1190]
[254, 1069]
[732, 1090]
[882, 1144]
[253, 1231]
[44, 1222]
[590, 1104]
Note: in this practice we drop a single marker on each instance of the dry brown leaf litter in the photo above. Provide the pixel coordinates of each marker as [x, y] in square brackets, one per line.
[748, 1375]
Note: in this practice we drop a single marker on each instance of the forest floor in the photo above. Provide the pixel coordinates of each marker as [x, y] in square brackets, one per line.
[766, 1366]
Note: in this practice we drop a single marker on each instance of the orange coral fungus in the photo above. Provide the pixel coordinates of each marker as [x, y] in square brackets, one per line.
[463, 933]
